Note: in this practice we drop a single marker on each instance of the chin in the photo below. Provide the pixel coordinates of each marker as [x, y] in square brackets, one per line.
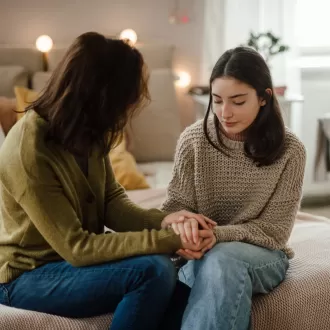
[236, 129]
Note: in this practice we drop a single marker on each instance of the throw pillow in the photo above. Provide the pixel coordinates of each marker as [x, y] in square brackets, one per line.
[125, 168]
[7, 114]
[24, 96]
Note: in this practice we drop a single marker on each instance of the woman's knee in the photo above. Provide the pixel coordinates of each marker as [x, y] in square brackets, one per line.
[161, 269]
[246, 253]
[219, 261]
[264, 269]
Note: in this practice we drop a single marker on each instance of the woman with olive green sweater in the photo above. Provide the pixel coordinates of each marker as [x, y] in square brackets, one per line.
[58, 191]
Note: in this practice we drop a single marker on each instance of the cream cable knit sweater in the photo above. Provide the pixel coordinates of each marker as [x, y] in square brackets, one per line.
[251, 204]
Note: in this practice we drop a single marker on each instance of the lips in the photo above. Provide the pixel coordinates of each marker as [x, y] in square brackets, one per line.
[229, 123]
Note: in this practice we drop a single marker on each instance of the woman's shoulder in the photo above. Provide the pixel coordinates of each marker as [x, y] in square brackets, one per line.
[189, 139]
[193, 132]
[25, 141]
[293, 145]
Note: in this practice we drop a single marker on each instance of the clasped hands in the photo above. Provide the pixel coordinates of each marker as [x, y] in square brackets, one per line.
[195, 230]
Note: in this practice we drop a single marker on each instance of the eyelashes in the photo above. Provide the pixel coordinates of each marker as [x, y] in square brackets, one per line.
[236, 103]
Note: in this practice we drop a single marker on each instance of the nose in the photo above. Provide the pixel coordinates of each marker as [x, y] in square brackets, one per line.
[226, 112]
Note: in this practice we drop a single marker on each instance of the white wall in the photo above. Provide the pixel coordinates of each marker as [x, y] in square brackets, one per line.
[21, 22]
[243, 17]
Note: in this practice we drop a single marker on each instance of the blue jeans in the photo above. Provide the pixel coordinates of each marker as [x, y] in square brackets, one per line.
[138, 291]
[223, 282]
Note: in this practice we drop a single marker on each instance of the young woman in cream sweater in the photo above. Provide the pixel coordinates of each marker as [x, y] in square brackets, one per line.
[242, 168]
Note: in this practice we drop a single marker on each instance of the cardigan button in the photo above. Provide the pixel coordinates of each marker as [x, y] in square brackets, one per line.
[90, 198]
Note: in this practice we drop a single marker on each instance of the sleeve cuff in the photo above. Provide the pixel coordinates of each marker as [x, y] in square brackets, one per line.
[154, 219]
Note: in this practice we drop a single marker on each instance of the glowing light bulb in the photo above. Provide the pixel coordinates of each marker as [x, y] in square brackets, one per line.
[129, 35]
[44, 43]
[183, 79]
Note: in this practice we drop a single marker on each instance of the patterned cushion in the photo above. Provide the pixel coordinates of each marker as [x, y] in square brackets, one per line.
[17, 319]
[10, 76]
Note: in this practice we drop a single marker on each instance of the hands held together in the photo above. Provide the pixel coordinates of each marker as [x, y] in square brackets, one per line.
[195, 230]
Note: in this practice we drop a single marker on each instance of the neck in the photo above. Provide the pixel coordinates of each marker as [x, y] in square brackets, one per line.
[234, 137]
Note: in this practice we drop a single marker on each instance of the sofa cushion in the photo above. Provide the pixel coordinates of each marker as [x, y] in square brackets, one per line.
[158, 174]
[24, 97]
[10, 76]
[302, 301]
[8, 115]
[148, 198]
[156, 128]
[125, 168]
[19, 319]
[39, 80]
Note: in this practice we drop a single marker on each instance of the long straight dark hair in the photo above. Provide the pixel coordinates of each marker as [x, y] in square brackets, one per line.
[99, 84]
[265, 138]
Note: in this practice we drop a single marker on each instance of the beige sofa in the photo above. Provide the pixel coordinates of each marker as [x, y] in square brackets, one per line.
[300, 303]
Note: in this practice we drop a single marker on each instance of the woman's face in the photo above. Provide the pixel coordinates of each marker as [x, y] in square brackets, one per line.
[235, 103]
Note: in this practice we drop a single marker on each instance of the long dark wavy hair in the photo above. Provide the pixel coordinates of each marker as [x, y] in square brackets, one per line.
[265, 138]
[96, 88]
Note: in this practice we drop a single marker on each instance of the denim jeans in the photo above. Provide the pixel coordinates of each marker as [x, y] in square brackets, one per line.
[138, 291]
[223, 282]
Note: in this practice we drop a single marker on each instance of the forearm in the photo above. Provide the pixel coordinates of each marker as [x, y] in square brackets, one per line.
[121, 214]
[257, 232]
[95, 249]
[59, 225]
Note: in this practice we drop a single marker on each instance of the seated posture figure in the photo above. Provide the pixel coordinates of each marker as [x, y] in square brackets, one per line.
[242, 168]
[58, 192]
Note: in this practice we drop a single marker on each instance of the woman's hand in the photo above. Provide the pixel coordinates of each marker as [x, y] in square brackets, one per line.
[180, 218]
[208, 240]
[188, 230]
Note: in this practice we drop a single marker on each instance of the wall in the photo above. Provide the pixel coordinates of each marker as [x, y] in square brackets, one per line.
[315, 88]
[22, 21]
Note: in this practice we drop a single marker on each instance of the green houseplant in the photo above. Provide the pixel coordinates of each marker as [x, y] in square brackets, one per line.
[267, 44]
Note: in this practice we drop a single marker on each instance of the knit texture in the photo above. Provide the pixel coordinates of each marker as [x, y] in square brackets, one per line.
[50, 211]
[252, 204]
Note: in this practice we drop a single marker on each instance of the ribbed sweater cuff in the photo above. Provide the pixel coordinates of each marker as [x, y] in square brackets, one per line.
[9, 275]
[223, 234]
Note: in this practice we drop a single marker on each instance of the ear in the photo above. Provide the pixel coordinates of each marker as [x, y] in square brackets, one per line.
[270, 93]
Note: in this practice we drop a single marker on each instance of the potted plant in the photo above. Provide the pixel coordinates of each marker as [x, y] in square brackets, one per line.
[268, 45]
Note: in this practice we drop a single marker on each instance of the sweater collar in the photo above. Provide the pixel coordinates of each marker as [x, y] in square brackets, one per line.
[231, 143]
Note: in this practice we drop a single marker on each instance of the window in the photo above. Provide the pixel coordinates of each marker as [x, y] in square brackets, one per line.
[313, 23]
